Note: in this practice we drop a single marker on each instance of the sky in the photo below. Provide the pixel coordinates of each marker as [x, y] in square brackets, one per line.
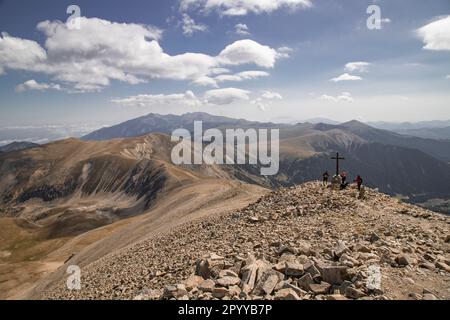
[266, 60]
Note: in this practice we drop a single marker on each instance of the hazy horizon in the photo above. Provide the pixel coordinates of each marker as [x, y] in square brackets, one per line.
[44, 133]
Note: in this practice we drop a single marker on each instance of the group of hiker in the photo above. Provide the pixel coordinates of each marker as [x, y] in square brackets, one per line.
[341, 179]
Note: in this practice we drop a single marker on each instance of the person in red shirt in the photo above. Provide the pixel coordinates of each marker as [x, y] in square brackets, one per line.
[359, 181]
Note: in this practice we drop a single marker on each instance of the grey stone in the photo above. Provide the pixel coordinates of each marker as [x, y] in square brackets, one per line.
[334, 274]
[268, 282]
[305, 281]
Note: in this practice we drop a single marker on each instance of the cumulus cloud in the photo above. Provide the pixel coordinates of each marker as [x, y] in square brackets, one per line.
[242, 7]
[241, 29]
[237, 77]
[436, 35]
[101, 51]
[249, 51]
[241, 76]
[359, 66]
[225, 96]
[190, 27]
[147, 100]
[346, 77]
[34, 85]
[20, 54]
[343, 97]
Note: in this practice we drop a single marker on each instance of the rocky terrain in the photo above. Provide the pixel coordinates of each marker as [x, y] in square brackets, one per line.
[304, 242]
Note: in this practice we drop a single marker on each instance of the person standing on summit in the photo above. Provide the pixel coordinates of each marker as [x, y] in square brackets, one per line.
[325, 177]
[344, 182]
[359, 182]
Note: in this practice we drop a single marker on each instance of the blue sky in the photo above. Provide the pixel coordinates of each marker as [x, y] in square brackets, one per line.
[275, 61]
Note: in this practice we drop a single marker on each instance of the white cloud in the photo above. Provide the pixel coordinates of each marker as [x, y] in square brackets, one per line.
[343, 97]
[147, 100]
[284, 52]
[271, 95]
[266, 99]
[34, 85]
[190, 27]
[215, 71]
[359, 66]
[242, 7]
[225, 96]
[346, 77]
[101, 51]
[241, 76]
[448, 77]
[238, 77]
[247, 52]
[20, 54]
[436, 35]
[241, 29]
[205, 81]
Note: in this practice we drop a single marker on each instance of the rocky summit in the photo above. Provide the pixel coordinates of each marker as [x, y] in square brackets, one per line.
[304, 242]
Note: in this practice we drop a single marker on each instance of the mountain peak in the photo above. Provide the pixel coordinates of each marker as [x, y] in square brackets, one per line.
[355, 124]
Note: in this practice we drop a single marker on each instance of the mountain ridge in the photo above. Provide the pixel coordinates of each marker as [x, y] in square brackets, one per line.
[306, 148]
[301, 243]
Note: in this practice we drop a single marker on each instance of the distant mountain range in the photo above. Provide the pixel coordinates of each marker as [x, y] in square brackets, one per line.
[393, 126]
[439, 130]
[156, 123]
[395, 163]
[16, 146]
[428, 133]
[437, 149]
